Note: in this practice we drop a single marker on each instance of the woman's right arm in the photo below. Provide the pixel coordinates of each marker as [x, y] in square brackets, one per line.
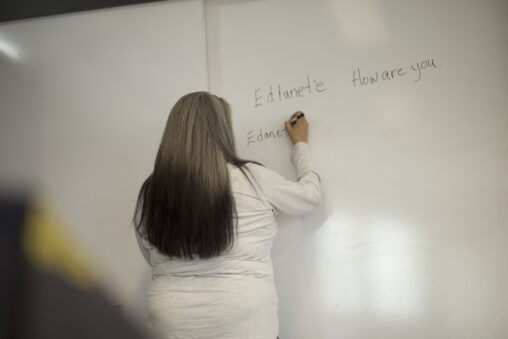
[303, 195]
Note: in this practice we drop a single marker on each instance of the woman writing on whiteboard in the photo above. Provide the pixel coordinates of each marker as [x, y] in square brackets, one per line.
[205, 222]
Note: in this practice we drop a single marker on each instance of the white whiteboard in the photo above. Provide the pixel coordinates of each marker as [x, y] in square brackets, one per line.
[84, 99]
[411, 239]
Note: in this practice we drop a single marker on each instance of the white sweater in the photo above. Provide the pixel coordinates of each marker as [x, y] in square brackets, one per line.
[233, 295]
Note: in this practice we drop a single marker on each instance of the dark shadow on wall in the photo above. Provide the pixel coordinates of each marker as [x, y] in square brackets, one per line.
[24, 9]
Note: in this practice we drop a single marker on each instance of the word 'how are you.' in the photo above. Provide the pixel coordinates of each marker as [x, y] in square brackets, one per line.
[416, 69]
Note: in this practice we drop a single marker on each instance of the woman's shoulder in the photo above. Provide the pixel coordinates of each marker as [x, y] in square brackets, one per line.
[259, 170]
[260, 173]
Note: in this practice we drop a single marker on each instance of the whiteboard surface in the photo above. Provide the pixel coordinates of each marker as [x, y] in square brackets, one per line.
[410, 240]
[84, 99]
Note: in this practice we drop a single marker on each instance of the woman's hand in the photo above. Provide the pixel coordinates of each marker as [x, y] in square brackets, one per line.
[298, 130]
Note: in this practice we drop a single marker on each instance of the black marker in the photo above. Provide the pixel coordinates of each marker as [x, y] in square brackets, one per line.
[295, 119]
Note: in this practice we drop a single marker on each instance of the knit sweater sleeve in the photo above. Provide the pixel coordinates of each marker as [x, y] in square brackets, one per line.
[292, 197]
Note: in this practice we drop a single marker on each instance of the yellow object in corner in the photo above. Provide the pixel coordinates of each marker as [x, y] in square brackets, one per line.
[47, 247]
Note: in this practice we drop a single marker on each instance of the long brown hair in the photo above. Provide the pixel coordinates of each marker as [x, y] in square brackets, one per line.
[186, 205]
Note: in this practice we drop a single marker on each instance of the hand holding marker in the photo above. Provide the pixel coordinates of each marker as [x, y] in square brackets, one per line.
[297, 127]
[296, 116]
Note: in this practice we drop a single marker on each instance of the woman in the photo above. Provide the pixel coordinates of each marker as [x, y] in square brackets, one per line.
[205, 222]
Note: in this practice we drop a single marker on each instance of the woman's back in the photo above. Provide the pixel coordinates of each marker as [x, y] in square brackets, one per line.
[250, 253]
[205, 221]
[232, 295]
